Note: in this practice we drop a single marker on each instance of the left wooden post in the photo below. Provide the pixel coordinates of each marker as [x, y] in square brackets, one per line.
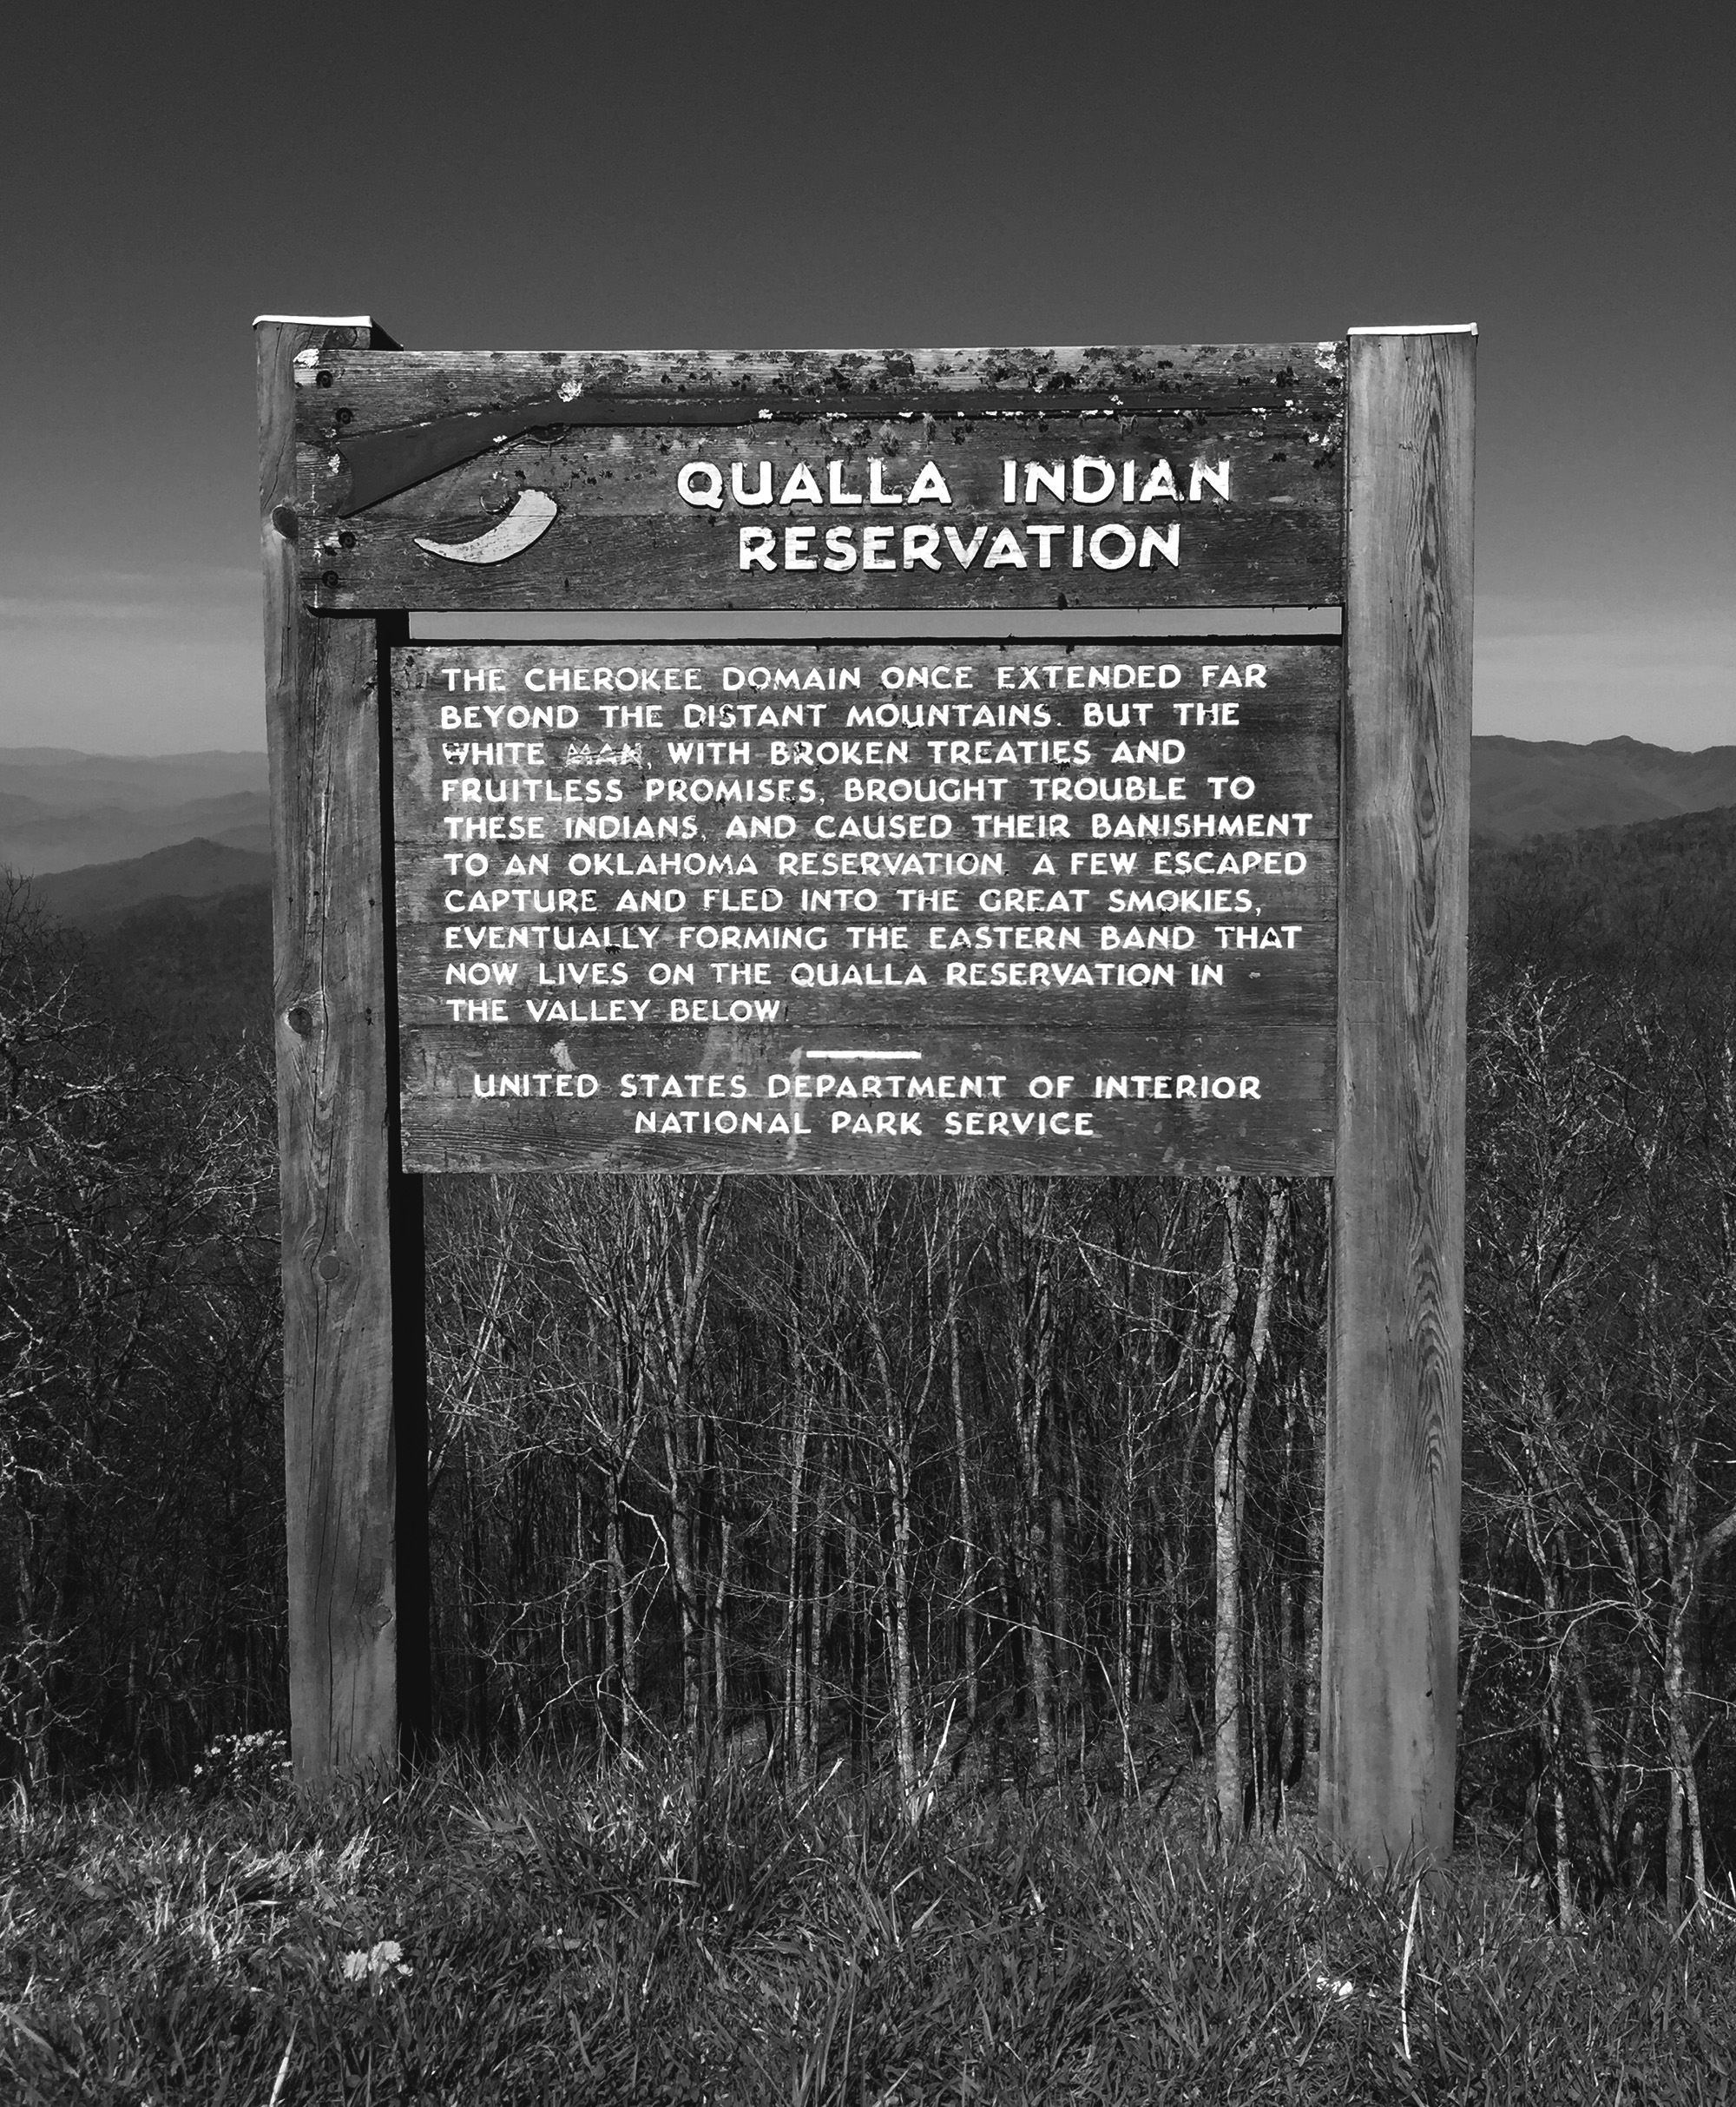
[355, 1429]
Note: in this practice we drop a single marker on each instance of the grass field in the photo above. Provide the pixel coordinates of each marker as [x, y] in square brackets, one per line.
[551, 1933]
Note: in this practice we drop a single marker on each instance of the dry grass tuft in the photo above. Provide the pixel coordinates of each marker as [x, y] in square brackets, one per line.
[553, 1934]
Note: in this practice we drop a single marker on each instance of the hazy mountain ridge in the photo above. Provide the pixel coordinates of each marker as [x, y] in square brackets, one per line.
[62, 810]
[67, 780]
[1656, 899]
[1525, 787]
[38, 843]
[133, 839]
[187, 869]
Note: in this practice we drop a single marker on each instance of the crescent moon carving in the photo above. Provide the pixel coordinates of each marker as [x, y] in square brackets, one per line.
[532, 514]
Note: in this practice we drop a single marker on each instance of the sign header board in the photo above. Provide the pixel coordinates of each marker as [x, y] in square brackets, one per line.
[828, 908]
[1129, 477]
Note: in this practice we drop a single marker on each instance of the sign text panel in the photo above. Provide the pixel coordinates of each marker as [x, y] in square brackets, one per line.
[824, 908]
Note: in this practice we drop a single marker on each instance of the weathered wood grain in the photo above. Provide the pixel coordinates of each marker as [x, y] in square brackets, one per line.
[1044, 949]
[405, 387]
[395, 449]
[1287, 1132]
[323, 681]
[1391, 1594]
[1071, 992]
[425, 412]
[621, 536]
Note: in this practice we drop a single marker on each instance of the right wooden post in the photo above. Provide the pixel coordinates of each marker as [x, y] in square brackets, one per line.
[1389, 1674]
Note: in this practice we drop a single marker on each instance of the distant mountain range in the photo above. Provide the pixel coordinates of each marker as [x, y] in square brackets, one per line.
[60, 809]
[100, 832]
[190, 870]
[1520, 787]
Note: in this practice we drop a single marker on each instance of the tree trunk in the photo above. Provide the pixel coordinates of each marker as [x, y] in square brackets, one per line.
[1597, 1776]
[1176, 1697]
[967, 1532]
[1146, 1667]
[1033, 1384]
[1679, 1693]
[1567, 1911]
[1124, 1650]
[1630, 1775]
[902, 1667]
[1226, 1642]
[794, 1709]
[608, 1684]
[720, 1632]
[1684, 1788]
[1226, 1632]
[812, 1729]
[856, 1614]
[689, 1595]
[29, 1690]
[577, 1610]
[1059, 1621]
[624, 1651]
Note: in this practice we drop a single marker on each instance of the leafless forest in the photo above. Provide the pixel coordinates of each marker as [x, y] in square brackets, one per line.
[930, 1481]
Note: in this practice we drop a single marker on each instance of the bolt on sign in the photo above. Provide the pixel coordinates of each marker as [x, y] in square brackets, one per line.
[937, 905]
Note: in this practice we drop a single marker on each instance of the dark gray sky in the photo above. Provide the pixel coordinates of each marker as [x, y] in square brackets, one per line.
[531, 176]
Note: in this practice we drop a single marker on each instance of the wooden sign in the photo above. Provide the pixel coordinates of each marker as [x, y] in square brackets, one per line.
[967, 908]
[1134, 477]
[515, 881]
